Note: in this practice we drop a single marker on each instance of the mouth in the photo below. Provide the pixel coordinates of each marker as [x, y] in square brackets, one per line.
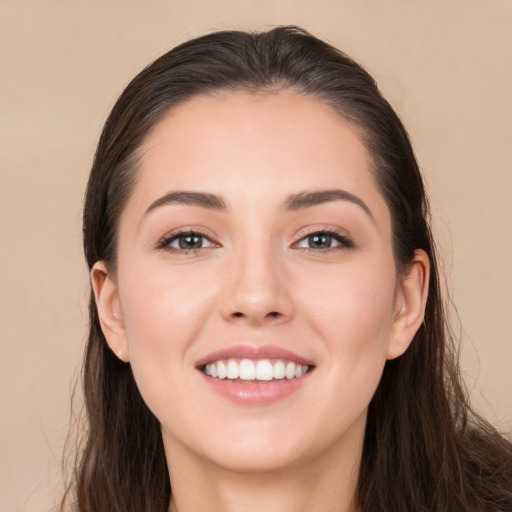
[255, 375]
[261, 370]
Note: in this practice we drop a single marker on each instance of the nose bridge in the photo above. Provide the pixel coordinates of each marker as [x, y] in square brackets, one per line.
[257, 286]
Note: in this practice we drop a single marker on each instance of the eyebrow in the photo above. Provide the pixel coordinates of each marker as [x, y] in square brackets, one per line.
[202, 199]
[295, 202]
[307, 199]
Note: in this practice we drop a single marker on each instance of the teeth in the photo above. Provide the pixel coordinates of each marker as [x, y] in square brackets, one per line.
[290, 370]
[247, 370]
[279, 370]
[221, 370]
[262, 370]
[233, 372]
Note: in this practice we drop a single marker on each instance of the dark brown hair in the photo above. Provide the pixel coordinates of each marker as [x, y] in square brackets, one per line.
[424, 448]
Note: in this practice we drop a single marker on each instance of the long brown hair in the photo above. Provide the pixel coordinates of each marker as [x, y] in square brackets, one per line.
[424, 448]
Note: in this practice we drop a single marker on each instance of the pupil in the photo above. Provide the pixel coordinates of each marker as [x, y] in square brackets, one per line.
[191, 242]
[320, 241]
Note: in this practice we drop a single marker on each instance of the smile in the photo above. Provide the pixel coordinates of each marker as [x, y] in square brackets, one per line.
[260, 370]
[255, 375]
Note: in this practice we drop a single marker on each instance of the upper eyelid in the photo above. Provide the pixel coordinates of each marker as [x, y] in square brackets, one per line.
[193, 230]
[344, 239]
[329, 230]
[322, 229]
[172, 235]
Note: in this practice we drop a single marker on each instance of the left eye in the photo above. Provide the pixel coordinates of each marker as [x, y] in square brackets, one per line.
[323, 240]
[188, 241]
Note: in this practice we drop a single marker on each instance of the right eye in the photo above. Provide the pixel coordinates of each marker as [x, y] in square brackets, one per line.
[185, 241]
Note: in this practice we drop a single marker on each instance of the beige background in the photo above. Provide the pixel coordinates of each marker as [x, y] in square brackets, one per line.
[445, 66]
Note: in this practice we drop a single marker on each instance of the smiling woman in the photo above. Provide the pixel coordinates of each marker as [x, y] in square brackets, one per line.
[266, 327]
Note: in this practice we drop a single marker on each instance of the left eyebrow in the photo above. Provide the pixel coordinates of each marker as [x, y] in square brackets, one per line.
[307, 199]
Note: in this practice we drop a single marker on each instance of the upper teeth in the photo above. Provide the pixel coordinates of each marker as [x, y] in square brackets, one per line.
[247, 369]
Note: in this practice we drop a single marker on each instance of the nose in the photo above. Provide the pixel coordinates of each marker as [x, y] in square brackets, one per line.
[257, 290]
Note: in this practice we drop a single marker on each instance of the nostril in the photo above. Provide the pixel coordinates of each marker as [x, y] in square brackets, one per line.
[273, 314]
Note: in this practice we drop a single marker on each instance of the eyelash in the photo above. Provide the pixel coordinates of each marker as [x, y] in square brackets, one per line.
[165, 243]
[344, 241]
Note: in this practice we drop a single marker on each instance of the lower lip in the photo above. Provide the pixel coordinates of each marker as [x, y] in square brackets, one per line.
[255, 393]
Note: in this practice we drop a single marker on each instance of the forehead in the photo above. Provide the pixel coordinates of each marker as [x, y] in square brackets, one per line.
[242, 145]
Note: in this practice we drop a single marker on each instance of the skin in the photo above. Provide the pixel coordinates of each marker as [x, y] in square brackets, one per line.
[256, 280]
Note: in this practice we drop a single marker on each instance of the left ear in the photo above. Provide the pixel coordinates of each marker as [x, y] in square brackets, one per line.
[410, 305]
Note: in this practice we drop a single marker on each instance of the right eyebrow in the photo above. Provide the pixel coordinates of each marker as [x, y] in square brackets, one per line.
[201, 199]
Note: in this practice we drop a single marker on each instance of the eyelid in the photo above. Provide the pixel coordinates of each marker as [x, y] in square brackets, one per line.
[345, 242]
[164, 242]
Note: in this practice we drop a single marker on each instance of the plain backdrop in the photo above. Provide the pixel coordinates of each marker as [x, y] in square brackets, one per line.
[444, 65]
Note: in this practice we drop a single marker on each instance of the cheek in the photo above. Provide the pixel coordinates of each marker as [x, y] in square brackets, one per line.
[355, 305]
[162, 305]
[164, 313]
[353, 314]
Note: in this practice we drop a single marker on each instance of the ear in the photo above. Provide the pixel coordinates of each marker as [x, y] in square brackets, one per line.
[410, 304]
[109, 310]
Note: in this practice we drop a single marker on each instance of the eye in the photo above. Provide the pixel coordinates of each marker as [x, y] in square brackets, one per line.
[323, 240]
[185, 241]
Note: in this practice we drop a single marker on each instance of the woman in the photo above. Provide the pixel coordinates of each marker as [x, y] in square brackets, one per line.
[267, 331]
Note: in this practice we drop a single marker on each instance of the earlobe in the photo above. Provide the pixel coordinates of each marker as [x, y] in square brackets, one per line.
[411, 302]
[109, 310]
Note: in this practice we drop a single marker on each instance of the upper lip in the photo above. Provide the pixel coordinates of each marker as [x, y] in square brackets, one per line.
[244, 351]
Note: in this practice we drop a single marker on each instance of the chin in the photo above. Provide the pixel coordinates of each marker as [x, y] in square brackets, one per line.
[258, 460]
[243, 447]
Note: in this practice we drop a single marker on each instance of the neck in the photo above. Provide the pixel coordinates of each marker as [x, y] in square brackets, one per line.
[326, 484]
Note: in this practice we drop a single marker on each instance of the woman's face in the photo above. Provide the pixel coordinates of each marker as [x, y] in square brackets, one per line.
[255, 241]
